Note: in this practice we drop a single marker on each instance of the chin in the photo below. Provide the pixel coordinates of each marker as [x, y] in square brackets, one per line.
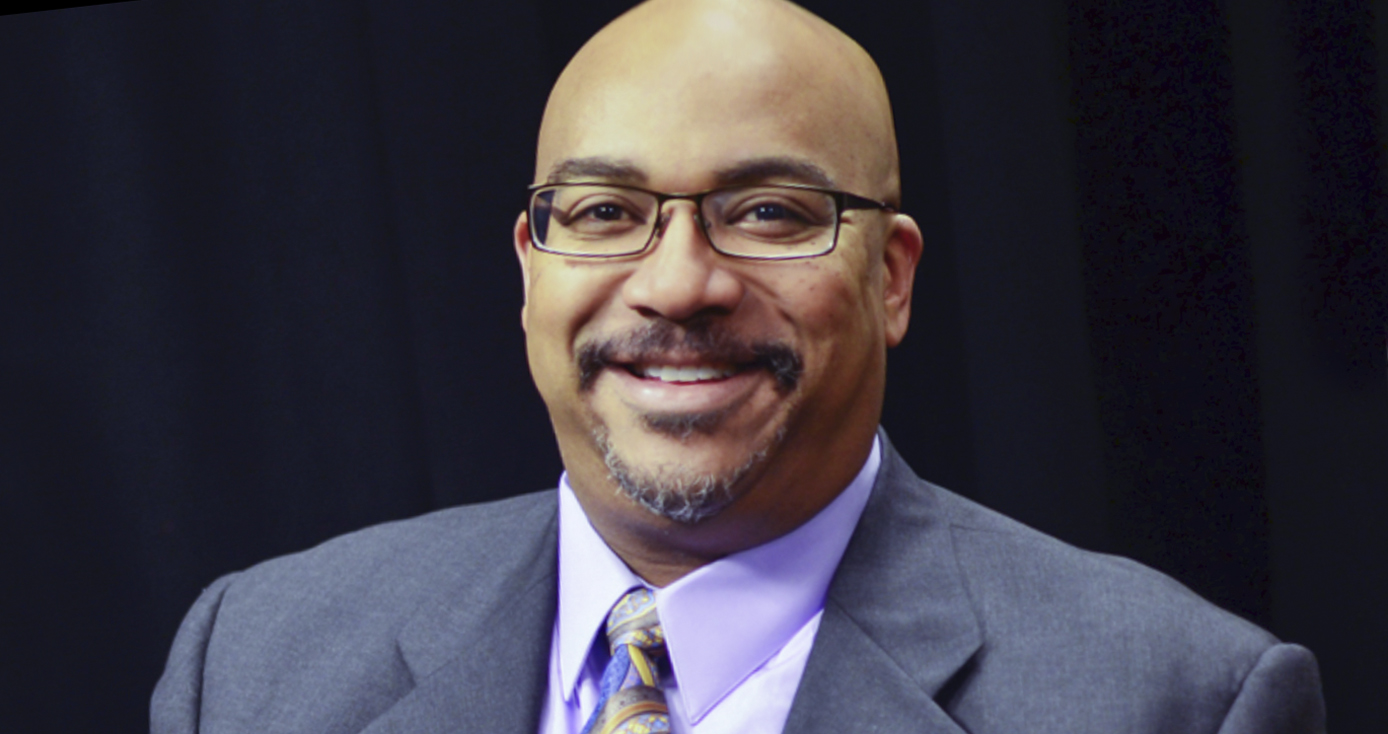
[681, 491]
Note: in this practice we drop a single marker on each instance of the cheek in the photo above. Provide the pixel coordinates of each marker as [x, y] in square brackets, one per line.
[834, 307]
[559, 304]
[563, 298]
[568, 301]
[840, 331]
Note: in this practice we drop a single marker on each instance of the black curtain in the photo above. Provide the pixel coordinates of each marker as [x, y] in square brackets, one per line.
[257, 289]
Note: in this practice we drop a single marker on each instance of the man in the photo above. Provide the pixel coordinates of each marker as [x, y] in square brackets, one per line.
[714, 268]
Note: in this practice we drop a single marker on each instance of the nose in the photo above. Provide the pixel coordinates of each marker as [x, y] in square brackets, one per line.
[681, 276]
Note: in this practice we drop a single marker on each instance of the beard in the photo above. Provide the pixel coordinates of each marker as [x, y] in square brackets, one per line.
[675, 493]
[670, 490]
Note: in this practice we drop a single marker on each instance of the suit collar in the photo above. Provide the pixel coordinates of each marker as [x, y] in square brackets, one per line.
[480, 657]
[898, 623]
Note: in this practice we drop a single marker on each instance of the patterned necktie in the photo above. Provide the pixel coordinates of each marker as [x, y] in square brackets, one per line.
[629, 697]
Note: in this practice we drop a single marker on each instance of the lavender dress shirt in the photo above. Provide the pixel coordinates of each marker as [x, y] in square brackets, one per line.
[738, 630]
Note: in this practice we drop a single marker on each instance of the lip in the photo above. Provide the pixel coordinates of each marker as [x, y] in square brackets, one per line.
[650, 395]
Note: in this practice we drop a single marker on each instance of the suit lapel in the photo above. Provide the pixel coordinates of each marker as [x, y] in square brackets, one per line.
[481, 666]
[897, 623]
[897, 626]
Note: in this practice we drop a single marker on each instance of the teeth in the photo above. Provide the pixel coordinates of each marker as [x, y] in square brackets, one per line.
[684, 374]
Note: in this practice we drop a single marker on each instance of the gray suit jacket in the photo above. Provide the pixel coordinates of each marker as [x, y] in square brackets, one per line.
[943, 617]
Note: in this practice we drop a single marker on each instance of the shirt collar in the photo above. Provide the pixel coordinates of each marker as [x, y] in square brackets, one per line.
[591, 579]
[722, 621]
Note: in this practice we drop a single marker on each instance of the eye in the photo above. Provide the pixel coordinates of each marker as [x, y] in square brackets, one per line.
[598, 210]
[591, 211]
[606, 212]
[770, 213]
[750, 219]
[777, 215]
[779, 211]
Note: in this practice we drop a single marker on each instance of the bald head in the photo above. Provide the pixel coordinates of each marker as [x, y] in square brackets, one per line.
[676, 89]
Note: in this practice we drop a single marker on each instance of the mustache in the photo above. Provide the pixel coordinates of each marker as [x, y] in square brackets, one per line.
[707, 339]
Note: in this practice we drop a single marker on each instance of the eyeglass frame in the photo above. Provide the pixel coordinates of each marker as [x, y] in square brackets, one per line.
[843, 201]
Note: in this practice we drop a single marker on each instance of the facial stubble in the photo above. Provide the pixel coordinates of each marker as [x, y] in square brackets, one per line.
[672, 490]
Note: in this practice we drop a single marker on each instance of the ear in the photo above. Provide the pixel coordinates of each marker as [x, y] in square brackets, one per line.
[900, 255]
[520, 236]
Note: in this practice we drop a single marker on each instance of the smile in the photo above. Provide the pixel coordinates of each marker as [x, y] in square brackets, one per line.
[685, 373]
[664, 353]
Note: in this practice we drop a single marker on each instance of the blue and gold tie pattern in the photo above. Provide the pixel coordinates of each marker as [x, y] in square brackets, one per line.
[629, 697]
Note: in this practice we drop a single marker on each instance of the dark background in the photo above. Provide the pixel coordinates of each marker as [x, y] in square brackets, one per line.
[257, 289]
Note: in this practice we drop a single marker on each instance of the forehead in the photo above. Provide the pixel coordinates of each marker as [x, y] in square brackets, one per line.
[682, 116]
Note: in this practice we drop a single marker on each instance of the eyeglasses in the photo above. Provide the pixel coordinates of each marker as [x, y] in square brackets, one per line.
[763, 222]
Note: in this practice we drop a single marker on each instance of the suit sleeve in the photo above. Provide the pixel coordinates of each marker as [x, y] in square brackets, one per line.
[177, 701]
[1281, 695]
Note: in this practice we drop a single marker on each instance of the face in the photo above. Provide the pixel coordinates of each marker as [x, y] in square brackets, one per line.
[694, 383]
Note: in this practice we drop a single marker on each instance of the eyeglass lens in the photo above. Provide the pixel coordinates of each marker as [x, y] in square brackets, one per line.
[752, 221]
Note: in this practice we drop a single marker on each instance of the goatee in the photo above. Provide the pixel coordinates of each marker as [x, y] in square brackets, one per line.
[671, 490]
[677, 494]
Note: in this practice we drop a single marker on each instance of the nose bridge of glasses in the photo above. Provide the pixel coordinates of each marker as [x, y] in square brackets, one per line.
[665, 215]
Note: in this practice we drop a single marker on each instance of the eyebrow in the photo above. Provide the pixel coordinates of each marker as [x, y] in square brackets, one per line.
[596, 167]
[755, 170]
[762, 170]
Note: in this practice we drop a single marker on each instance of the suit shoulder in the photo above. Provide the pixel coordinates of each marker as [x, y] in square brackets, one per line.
[479, 524]
[317, 633]
[404, 559]
[1017, 575]
[1005, 558]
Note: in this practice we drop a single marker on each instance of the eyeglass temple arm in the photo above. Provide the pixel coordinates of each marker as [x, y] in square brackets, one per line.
[853, 201]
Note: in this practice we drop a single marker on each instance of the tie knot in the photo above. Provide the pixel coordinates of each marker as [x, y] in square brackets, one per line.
[630, 699]
[633, 621]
